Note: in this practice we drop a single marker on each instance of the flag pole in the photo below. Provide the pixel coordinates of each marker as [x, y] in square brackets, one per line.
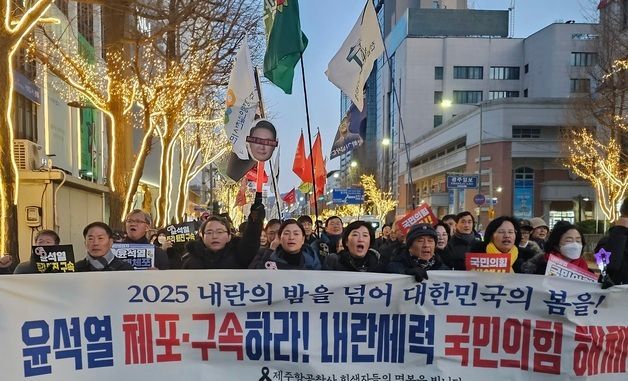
[309, 135]
[403, 130]
[263, 115]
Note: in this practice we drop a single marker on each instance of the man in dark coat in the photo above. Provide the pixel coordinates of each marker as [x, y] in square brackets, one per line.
[98, 242]
[460, 241]
[136, 225]
[418, 256]
[232, 252]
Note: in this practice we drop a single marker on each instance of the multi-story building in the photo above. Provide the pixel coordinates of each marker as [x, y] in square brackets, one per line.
[509, 99]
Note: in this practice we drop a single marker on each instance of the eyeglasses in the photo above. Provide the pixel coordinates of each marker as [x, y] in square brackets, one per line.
[216, 232]
[131, 221]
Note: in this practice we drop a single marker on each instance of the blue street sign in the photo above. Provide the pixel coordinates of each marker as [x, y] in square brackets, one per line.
[351, 196]
[479, 199]
[462, 181]
[355, 196]
[339, 196]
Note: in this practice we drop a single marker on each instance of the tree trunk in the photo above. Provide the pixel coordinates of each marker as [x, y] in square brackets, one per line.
[184, 181]
[8, 170]
[165, 178]
[120, 132]
[139, 163]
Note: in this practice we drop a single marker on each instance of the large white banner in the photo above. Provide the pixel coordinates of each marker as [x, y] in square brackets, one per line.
[309, 325]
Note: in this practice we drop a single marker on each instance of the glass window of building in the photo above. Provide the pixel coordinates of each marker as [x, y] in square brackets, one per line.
[468, 72]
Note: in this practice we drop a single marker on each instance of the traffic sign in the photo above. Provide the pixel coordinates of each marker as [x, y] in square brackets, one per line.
[479, 199]
[351, 196]
[462, 181]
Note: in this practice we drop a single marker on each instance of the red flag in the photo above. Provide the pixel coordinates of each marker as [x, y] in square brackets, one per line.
[319, 165]
[251, 175]
[301, 165]
[241, 196]
[290, 197]
[603, 4]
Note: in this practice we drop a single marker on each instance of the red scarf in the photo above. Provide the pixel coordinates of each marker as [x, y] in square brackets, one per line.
[580, 262]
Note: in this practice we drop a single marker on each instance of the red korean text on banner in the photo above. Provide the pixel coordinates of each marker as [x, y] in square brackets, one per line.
[421, 215]
[564, 269]
[488, 262]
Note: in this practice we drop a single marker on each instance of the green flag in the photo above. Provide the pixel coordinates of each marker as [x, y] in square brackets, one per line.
[284, 41]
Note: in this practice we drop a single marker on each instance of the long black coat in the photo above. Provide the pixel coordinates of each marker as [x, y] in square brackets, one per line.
[237, 254]
[617, 245]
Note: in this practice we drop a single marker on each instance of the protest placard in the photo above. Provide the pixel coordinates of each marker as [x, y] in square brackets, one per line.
[564, 269]
[58, 258]
[493, 262]
[181, 233]
[140, 256]
[422, 214]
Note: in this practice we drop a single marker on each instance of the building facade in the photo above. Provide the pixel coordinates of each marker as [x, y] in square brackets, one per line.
[463, 88]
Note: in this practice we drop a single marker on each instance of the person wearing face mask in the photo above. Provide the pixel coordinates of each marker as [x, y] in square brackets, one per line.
[502, 236]
[328, 241]
[357, 240]
[292, 253]
[566, 242]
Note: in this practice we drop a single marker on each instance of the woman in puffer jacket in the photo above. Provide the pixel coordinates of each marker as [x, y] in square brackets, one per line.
[357, 239]
[291, 253]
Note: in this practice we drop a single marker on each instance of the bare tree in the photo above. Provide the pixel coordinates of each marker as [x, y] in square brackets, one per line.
[189, 39]
[16, 24]
[597, 140]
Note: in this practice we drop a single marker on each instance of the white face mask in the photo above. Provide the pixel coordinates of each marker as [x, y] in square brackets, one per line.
[571, 250]
[161, 239]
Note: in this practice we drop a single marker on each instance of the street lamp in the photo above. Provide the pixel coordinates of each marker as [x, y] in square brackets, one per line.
[354, 164]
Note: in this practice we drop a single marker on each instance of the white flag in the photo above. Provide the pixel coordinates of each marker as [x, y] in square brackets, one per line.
[241, 101]
[353, 63]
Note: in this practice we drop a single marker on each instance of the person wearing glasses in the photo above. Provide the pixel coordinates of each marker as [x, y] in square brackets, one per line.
[503, 235]
[219, 248]
[137, 223]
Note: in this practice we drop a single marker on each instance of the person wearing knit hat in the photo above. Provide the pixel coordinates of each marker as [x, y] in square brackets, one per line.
[418, 256]
[526, 229]
[540, 230]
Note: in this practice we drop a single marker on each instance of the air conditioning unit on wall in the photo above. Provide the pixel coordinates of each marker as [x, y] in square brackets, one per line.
[27, 154]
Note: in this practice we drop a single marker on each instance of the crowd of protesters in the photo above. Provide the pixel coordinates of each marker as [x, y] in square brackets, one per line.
[294, 245]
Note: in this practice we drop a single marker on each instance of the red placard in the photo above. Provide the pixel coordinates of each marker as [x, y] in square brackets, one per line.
[421, 215]
[495, 263]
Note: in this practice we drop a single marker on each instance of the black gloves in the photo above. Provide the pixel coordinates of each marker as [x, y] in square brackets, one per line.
[419, 273]
[257, 209]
